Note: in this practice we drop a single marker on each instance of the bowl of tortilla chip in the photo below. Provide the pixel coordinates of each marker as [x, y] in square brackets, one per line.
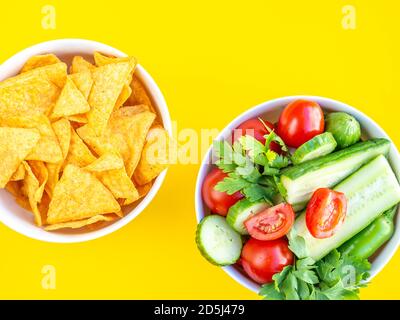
[84, 133]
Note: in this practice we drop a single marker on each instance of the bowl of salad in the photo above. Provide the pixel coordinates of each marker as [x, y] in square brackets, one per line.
[297, 199]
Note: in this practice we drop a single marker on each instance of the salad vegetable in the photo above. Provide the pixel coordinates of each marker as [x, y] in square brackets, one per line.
[368, 241]
[325, 212]
[241, 211]
[262, 259]
[300, 121]
[318, 146]
[217, 241]
[344, 127]
[335, 277]
[259, 183]
[369, 191]
[218, 202]
[271, 223]
[302, 180]
[257, 128]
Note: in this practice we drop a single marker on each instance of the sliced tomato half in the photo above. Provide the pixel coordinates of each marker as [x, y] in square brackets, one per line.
[325, 212]
[271, 223]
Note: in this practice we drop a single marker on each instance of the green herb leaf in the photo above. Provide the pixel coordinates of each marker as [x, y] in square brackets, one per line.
[269, 292]
[297, 245]
[231, 184]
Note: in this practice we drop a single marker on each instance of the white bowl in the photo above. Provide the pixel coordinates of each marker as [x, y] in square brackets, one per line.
[271, 110]
[21, 220]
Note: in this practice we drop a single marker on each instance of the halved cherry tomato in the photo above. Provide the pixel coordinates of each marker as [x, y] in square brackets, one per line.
[300, 121]
[218, 202]
[325, 212]
[271, 223]
[255, 127]
[262, 259]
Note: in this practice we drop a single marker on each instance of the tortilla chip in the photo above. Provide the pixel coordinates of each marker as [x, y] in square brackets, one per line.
[63, 131]
[16, 144]
[27, 94]
[80, 223]
[39, 61]
[154, 156]
[78, 154]
[83, 81]
[33, 187]
[71, 101]
[78, 118]
[40, 171]
[120, 185]
[108, 161]
[101, 60]
[55, 73]
[79, 64]
[108, 82]
[19, 174]
[144, 189]
[15, 188]
[139, 94]
[47, 149]
[79, 195]
[123, 97]
[126, 133]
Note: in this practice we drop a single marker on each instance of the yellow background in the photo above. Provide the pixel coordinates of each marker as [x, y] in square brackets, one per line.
[212, 60]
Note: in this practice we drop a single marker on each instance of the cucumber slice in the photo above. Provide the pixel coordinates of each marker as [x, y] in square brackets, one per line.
[241, 210]
[370, 191]
[217, 241]
[301, 180]
[318, 146]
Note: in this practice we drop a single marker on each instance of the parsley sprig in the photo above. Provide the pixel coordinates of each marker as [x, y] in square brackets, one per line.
[335, 277]
[252, 167]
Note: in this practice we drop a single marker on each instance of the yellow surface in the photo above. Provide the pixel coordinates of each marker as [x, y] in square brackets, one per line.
[212, 60]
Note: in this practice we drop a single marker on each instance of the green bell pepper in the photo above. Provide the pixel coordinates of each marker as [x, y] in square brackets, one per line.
[365, 243]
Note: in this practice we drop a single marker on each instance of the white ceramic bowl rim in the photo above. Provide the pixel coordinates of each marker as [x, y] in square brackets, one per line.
[387, 251]
[84, 47]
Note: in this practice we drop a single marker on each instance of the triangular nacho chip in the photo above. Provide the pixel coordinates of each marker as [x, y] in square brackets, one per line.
[19, 174]
[81, 223]
[71, 101]
[154, 156]
[15, 145]
[56, 73]
[78, 154]
[108, 161]
[63, 131]
[83, 81]
[101, 60]
[79, 195]
[110, 170]
[78, 118]
[126, 133]
[34, 185]
[39, 61]
[108, 82]
[79, 64]
[139, 94]
[27, 94]
[120, 185]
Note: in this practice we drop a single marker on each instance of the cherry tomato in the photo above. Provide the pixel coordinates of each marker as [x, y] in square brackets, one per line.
[255, 127]
[325, 212]
[218, 202]
[271, 223]
[300, 121]
[262, 259]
